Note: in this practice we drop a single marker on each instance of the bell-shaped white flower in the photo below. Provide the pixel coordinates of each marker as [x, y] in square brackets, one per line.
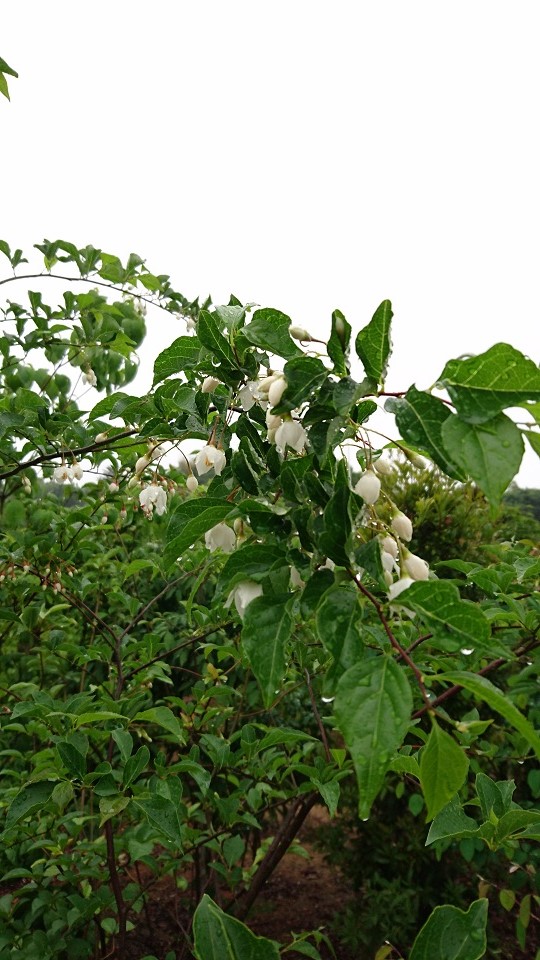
[142, 464]
[210, 458]
[387, 561]
[368, 487]
[401, 525]
[242, 594]
[389, 545]
[209, 384]
[220, 537]
[247, 395]
[399, 586]
[276, 391]
[272, 420]
[290, 434]
[153, 497]
[192, 483]
[75, 472]
[89, 377]
[61, 473]
[414, 566]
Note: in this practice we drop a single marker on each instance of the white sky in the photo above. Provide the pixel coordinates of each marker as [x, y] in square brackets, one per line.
[303, 155]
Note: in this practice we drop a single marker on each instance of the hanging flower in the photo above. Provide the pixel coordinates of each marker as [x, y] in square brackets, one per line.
[402, 526]
[247, 395]
[242, 594]
[210, 458]
[383, 467]
[389, 545]
[220, 537]
[75, 472]
[414, 566]
[276, 391]
[210, 384]
[273, 421]
[89, 377]
[368, 487]
[142, 464]
[399, 586]
[290, 434]
[192, 483]
[153, 497]
[61, 473]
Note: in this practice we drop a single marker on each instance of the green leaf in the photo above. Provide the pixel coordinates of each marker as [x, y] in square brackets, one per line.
[337, 621]
[135, 765]
[162, 813]
[267, 627]
[490, 452]
[135, 566]
[304, 376]
[190, 521]
[73, 760]
[111, 806]
[368, 556]
[250, 562]
[338, 344]
[507, 899]
[373, 708]
[163, 717]
[490, 694]
[482, 386]
[4, 89]
[211, 337]
[420, 418]
[62, 794]
[373, 344]
[218, 936]
[183, 354]
[453, 934]
[269, 329]
[5, 68]
[334, 540]
[28, 801]
[491, 797]
[534, 440]
[443, 768]
[451, 822]
[440, 604]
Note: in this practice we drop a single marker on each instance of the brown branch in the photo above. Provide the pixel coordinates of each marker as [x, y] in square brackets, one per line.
[77, 451]
[117, 891]
[179, 646]
[317, 716]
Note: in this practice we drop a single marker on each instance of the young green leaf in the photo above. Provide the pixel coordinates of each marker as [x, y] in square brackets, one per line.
[372, 708]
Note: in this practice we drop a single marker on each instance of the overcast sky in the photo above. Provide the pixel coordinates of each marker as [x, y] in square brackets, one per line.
[303, 155]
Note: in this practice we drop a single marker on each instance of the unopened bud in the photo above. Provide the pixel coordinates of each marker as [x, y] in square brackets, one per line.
[210, 384]
[402, 526]
[276, 391]
[368, 487]
[142, 464]
[414, 566]
[389, 545]
[299, 333]
[101, 437]
[383, 467]
[192, 483]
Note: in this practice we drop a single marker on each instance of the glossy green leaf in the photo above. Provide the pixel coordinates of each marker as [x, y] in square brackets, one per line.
[162, 717]
[443, 769]
[420, 418]
[483, 386]
[183, 354]
[304, 376]
[218, 936]
[338, 617]
[252, 561]
[29, 800]
[267, 628]
[135, 765]
[490, 694]
[190, 521]
[373, 708]
[269, 329]
[211, 337]
[453, 934]
[534, 439]
[373, 343]
[490, 453]
[162, 813]
[334, 540]
[440, 605]
[452, 821]
[73, 760]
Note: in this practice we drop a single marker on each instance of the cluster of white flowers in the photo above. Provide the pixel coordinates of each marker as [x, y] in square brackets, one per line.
[396, 557]
[89, 377]
[63, 473]
[153, 497]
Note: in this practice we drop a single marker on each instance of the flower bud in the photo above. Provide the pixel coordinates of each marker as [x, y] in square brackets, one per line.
[383, 467]
[113, 486]
[273, 421]
[101, 437]
[142, 464]
[210, 384]
[368, 487]
[414, 566]
[276, 391]
[299, 333]
[402, 526]
[192, 483]
[389, 545]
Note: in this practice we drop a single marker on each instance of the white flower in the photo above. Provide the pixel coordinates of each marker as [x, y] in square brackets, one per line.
[153, 496]
[242, 594]
[389, 545]
[191, 325]
[368, 487]
[101, 437]
[75, 472]
[247, 395]
[263, 386]
[89, 377]
[276, 391]
[299, 333]
[290, 434]
[210, 384]
[399, 586]
[113, 486]
[142, 464]
[387, 561]
[157, 451]
[192, 483]
[210, 458]
[220, 537]
[61, 473]
[273, 421]
[383, 467]
[414, 566]
[402, 526]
